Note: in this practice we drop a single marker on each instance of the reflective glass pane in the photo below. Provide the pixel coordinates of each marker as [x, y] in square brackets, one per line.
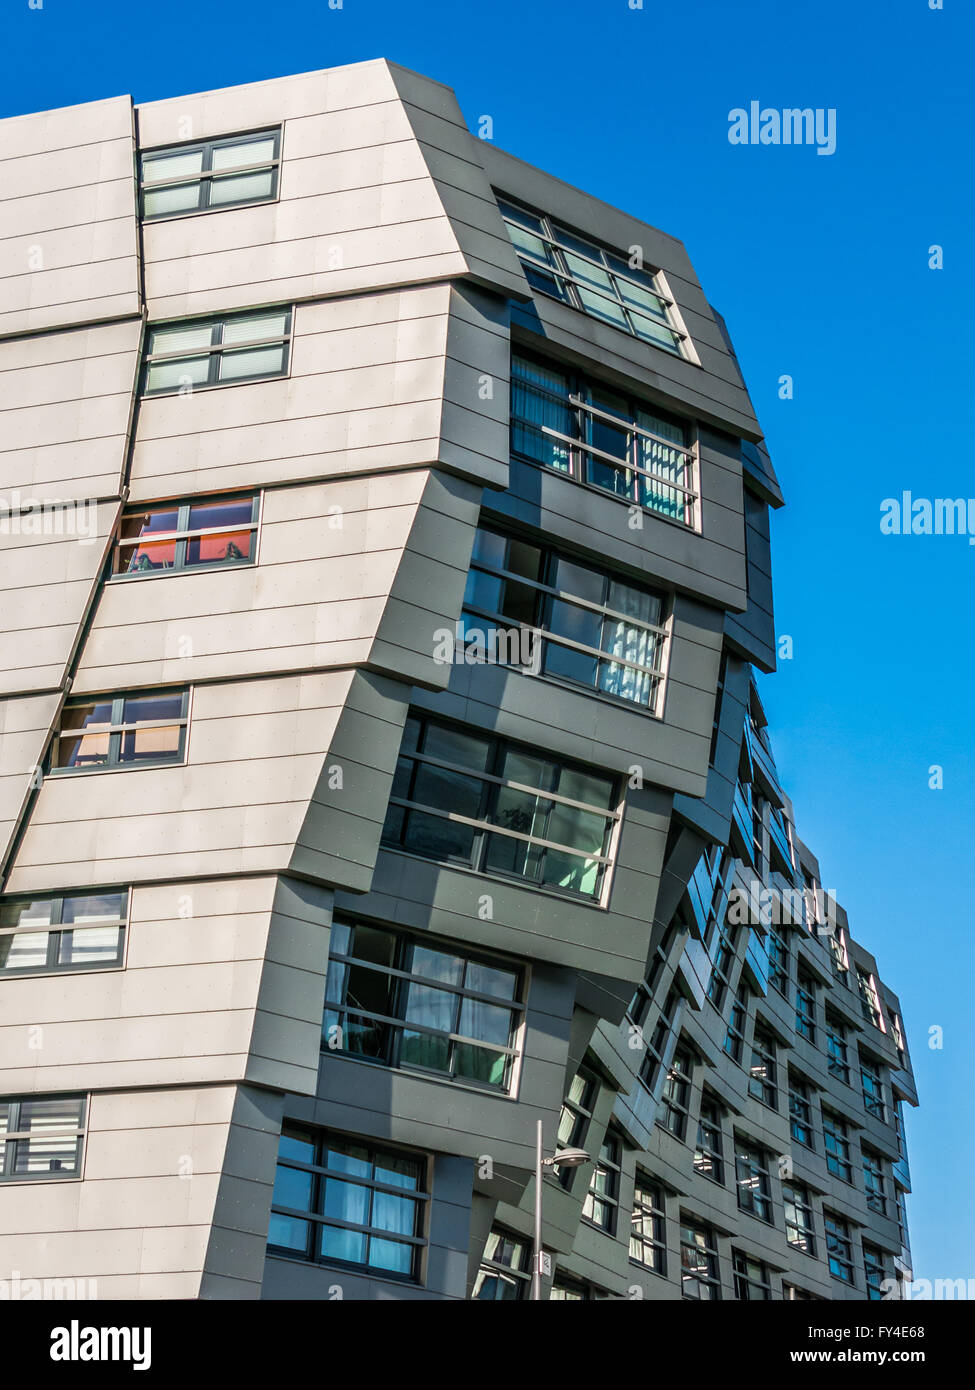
[182, 197]
[266, 361]
[23, 951]
[160, 744]
[241, 188]
[186, 338]
[235, 156]
[288, 1232]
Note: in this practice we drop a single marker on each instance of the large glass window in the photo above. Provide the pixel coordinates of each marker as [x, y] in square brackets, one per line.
[411, 1002]
[869, 998]
[839, 1247]
[734, 1041]
[199, 533]
[800, 1112]
[53, 934]
[677, 1092]
[568, 267]
[656, 1047]
[875, 1269]
[597, 631]
[504, 1275]
[778, 959]
[837, 1145]
[800, 1231]
[338, 1200]
[699, 1262]
[708, 1159]
[872, 1084]
[199, 353]
[837, 1059]
[752, 1279]
[115, 731]
[465, 797]
[602, 1200]
[42, 1137]
[723, 956]
[806, 1008]
[593, 435]
[874, 1181]
[576, 1116]
[648, 1240]
[229, 172]
[751, 1171]
[761, 1077]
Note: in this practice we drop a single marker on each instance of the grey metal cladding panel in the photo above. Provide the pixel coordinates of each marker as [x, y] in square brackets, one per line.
[47, 583]
[67, 402]
[660, 551]
[719, 380]
[70, 254]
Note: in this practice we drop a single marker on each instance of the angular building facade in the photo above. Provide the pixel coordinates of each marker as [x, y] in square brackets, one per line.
[385, 567]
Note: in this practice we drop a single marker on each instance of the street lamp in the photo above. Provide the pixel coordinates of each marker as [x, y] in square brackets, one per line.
[562, 1158]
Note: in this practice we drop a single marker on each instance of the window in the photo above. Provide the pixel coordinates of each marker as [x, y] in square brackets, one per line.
[575, 1291]
[837, 1144]
[48, 935]
[874, 1182]
[341, 1201]
[42, 1137]
[758, 833]
[599, 632]
[900, 1198]
[806, 1008]
[793, 1294]
[872, 1082]
[751, 1171]
[646, 990]
[648, 1241]
[575, 1117]
[699, 1262]
[751, 1277]
[653, 1058]
[778, 960]
[504, 1274]
[708, 1159]
[734, 1041]
[603, 284]
[839, 1249]
[724, 955]
[799, 1228]
[839, 956]
[603, 1198]
[875, 1270]
[115, 731]
[677, 1092]
[836, 1054]
[467, 798]
[199, 353]
[800, 1112]
[216, 174]
[207, 533]
[410, 1002]
[869, 998]
[761, 1078]
[595, 436]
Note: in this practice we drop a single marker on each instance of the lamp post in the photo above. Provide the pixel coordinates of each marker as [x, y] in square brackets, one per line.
[563, 1158]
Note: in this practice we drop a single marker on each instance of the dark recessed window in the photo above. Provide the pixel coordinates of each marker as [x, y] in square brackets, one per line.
[778, 959]
[199, 353]
[837, 1059]
[677, 1092]
[603, 284]
[839, 1247]
[761, 1078]
[467, 798]
[699, 1262]
[800, 1112]
[116, 731]
[751, 1277]
[198, 533]
[603, 1198]
[869, 998]
[875, 1270]
[799, 1228]
[409, 1002]
[504, 1274]
[874, 1181]
[215, 174]
[872, 1083]
[648, 1240]
[340, 1201]
[723, 950]
[575, 1117]
[583, 430]
[42, 1137]
[708, 1159]
[806, 1008]
[752, 1175]
[734, 1041]
[526, 605]
[837, 1145]
[656, 1046]
[50, 935]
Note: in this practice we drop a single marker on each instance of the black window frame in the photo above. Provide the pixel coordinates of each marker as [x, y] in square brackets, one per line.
[762, 1074]
[836, 1145]
[207, 174]
[839, 1247]
[118, 727]
[183, 535]
[691, 1273]
[600, 1206]
[837, 1049]
[513, 1273]
[806, 1007]
[750, 1274]
[800, 1112]
[874, 1094]
[675, 1099]
[709, 1146]
[14, 1136]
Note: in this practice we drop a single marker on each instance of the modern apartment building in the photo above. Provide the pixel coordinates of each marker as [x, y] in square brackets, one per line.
[385, 567]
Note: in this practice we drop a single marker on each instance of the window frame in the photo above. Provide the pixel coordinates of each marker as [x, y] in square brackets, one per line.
[750, 1273]
[873, 1265]
[766, 1090]
[800, 1225]
[586, 417]
[214, 351]
[839, 1247]
[874, 1180]
[579, 1110]
[13, 1136]
[734, 1038]
[649, 1214]
[837, 1049]
[118, 727]
[183, 534]
[874, 1094]
[57, 928]
[517, 1276]
[207, 173]
[547, 594]
[607, 1165]
[836, 1145]
[801, 1126]
[709, 1145]
[675, 1098]
[316, 1217]
[706, 1246]
[753, 1183]
[492, 784]
[805, 997]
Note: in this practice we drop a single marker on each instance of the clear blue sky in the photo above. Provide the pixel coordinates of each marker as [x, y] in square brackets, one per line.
[820, 265]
